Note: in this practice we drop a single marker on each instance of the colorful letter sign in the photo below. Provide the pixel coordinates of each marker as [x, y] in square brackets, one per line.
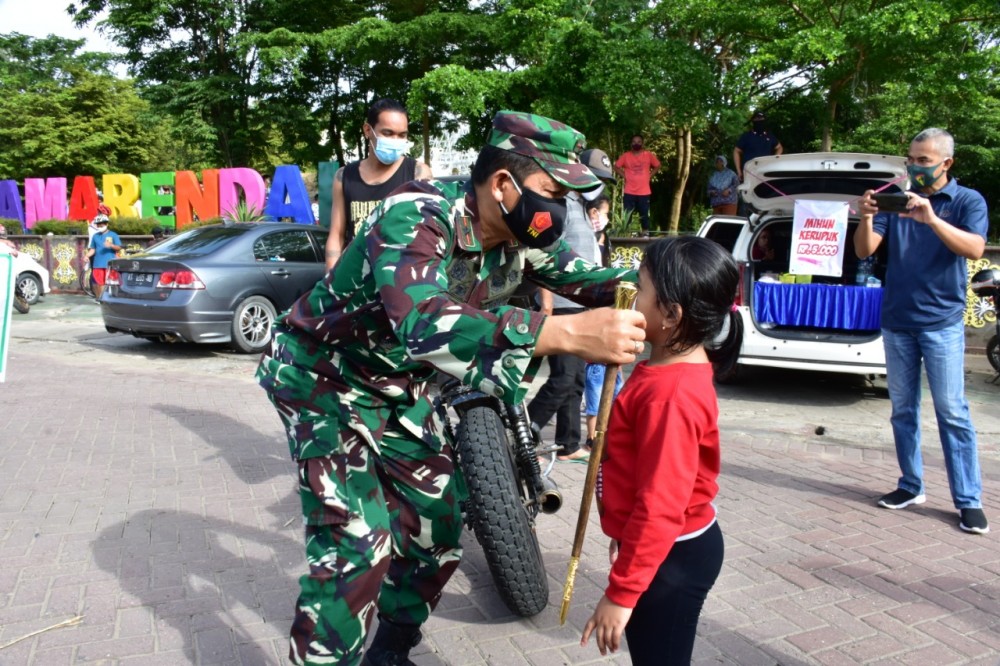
[83, 200]
[288, 196]
[10, 201]
[194, 199]
[221, 192]
[121, 190]
[231, 181]
[44, 199]
[157, 191]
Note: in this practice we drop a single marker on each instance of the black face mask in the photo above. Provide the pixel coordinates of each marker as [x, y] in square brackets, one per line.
[535, 221]
[758, 126]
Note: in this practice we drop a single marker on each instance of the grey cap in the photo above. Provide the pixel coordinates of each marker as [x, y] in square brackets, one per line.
[599, 163]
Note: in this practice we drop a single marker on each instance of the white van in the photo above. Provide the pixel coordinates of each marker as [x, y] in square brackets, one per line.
[817, 322]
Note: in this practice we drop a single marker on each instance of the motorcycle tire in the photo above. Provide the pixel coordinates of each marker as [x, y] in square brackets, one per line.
[993, 352]
[496, 512]
[21, 305]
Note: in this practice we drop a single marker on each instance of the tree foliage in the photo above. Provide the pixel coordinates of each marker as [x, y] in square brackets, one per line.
[70, 115]
[261, 82]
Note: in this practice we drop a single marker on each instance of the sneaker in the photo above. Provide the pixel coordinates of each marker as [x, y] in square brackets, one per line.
[900, 498]
[974, 520]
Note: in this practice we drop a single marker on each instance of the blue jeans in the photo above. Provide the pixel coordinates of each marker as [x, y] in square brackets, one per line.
[593, 386]
[943, 354]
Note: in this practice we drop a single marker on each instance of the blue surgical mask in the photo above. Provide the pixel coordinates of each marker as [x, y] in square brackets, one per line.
[389, 150]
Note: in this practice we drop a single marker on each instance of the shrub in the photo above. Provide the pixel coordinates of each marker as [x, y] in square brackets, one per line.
[60, 227]
[246, 212]
[133, 226]
[13, 227]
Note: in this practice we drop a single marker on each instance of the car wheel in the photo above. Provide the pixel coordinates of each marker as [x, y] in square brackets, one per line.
[30, 286]
[252, 323]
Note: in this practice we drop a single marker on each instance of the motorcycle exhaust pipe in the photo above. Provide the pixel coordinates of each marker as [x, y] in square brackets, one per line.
[550, 499]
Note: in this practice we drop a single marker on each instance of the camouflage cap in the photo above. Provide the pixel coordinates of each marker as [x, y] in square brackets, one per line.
[554, 145]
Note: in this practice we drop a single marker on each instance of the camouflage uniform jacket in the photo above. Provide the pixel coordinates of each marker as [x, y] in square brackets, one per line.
[413, 295]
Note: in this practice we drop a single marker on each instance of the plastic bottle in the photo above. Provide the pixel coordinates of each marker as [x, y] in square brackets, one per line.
[864, 271]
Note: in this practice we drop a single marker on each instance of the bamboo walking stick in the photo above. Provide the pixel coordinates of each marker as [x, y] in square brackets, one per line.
[625, 294]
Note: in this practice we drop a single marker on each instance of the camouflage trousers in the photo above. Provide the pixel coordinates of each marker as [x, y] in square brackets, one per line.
[382, 531]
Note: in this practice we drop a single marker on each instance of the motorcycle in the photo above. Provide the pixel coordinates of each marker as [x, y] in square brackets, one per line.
[497, 452]
[986, 285]
[20, 302]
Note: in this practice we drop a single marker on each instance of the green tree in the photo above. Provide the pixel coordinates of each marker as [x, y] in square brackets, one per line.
[194, 59]
[81, 119]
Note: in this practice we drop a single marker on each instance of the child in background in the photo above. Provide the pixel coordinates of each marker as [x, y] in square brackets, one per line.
[661, 458]
[598, 212]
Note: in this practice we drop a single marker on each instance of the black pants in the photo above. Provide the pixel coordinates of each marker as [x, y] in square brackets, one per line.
[561, 396]
[662, 627]
[640, 204]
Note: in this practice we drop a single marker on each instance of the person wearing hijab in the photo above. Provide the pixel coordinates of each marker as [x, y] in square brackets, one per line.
[722, 186]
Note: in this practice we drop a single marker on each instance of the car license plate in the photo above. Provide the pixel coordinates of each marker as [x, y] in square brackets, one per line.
[140, 279]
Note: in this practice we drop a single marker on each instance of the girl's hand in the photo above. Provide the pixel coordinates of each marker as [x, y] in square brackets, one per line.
[609, 620]
[612, 552]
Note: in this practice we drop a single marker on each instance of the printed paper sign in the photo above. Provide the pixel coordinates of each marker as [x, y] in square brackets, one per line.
[819, 231]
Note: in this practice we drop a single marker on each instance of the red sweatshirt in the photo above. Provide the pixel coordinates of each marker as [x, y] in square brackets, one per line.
[659, 471]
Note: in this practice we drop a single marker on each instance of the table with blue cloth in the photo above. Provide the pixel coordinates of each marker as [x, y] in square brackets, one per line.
[818, 306]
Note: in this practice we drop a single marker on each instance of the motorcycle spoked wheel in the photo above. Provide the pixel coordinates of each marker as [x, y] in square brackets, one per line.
[993, 352]
[495, 511]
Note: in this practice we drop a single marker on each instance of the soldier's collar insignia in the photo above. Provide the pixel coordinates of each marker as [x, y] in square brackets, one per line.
[468, 239]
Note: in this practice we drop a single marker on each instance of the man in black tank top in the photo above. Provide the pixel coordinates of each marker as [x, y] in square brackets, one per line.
[362, 185]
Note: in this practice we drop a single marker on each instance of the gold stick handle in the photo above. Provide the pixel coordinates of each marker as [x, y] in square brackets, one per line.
[625, 294]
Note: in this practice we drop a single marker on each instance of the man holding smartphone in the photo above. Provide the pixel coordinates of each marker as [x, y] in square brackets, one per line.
[922, 318]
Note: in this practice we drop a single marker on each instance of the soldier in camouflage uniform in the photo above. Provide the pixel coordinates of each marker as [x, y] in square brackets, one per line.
[421, 290]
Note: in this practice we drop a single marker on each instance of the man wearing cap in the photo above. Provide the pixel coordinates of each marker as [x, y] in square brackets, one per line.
[562, 393]
[102, 248]
[755, 143]
[421, 291]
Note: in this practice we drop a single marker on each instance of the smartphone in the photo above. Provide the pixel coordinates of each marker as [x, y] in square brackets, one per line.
[891, 203]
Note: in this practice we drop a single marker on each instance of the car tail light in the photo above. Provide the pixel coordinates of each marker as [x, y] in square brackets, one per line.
[740, 286]
[112, 278]
[179, 280]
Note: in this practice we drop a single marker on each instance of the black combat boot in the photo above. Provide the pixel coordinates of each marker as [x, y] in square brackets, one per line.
[392, 644]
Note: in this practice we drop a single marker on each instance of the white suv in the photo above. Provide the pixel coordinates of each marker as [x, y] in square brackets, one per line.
[830, 324]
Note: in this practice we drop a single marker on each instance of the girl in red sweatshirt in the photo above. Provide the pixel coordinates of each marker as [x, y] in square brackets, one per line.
[658, 475]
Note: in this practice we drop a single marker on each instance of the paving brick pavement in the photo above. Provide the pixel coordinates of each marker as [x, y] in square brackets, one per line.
[148, 488]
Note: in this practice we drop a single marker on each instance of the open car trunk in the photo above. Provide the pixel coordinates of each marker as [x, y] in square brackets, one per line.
[816, 307]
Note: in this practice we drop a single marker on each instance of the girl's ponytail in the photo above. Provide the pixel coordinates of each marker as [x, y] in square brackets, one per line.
[725, 354]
